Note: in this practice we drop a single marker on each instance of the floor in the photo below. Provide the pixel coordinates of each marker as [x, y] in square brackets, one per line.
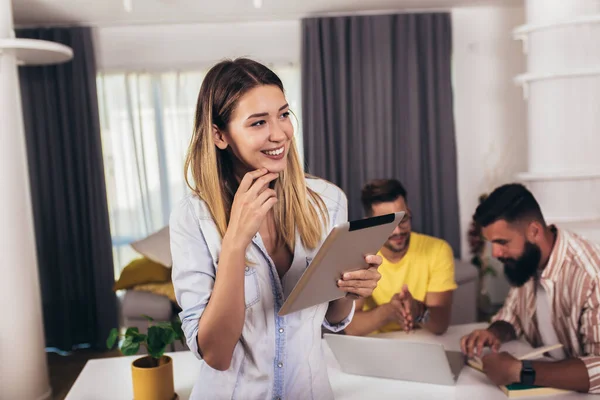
[64, 370]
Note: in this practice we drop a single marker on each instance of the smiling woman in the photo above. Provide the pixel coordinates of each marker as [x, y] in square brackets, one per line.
[146, 123]
[242, 240]
[263, 139]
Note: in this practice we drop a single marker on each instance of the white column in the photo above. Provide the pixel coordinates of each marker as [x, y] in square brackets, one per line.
[23, 370]
[489, 110]
[562, 86]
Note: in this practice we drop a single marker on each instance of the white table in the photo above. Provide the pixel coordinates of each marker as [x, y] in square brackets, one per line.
[110, 378]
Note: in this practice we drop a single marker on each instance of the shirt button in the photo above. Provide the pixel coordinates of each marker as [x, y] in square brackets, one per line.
[247, 269]
[281, 330]
[280, 365]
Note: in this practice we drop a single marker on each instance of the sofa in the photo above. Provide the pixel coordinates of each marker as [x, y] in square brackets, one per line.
[464, 300]
[136, 303]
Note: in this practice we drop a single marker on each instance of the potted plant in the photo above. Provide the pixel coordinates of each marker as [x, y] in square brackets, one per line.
[152, 374]
[480, 261]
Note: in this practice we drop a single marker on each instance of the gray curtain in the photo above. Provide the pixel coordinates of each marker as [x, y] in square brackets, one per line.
[377, 103]
[64, 149]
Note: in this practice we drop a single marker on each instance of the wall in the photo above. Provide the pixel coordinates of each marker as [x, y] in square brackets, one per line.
[490, 113]
[563, 117]
[155, 47]
[489, 109]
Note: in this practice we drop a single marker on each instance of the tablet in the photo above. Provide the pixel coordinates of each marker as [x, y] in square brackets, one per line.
[343, 250]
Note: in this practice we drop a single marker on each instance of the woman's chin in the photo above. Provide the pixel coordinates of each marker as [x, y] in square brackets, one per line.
[275, 167]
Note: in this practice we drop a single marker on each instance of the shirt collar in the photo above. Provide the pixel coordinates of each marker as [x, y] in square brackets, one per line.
[557, 255]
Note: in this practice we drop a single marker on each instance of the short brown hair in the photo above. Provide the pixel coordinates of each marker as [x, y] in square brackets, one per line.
[381, 191]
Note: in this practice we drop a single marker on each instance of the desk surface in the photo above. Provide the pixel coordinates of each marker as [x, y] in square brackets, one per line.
[110, 378]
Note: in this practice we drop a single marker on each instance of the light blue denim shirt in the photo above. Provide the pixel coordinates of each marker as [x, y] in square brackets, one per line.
[276, 357]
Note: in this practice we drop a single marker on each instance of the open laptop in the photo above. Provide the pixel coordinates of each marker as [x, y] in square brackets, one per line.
[396, 359]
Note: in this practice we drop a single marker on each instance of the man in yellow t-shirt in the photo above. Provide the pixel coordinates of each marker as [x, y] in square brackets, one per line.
[417, 273]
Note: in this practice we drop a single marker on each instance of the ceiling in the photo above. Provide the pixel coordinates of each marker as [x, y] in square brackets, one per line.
[113, 13]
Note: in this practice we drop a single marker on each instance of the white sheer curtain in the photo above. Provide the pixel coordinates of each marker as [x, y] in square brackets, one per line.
[146, 121]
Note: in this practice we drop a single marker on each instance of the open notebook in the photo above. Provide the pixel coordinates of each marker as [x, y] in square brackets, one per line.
[521, 350]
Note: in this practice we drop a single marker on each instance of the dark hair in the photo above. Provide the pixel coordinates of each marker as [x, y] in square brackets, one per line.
[381, 191]
[512, 203]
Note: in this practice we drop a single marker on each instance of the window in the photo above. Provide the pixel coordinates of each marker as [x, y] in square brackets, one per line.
[146, 124]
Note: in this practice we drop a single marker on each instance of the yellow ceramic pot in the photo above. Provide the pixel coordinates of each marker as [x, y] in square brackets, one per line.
[152, 382]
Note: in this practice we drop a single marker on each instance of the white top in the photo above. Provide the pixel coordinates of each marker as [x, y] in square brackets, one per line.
[276, 357]
[544, 319]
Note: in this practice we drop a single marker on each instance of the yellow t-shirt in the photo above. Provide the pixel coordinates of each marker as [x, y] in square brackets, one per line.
[427, 266]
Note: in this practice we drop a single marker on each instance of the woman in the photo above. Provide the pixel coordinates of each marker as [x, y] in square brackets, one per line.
[244, 237]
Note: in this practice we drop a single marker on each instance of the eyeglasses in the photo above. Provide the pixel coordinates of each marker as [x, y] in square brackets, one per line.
[405, 220]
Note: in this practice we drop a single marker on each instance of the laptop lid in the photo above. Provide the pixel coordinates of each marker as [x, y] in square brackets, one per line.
[395, 359]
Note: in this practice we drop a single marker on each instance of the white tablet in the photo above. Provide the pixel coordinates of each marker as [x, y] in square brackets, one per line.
[343, 250]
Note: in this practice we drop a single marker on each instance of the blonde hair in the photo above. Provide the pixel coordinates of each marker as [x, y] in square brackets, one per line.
[298, 207]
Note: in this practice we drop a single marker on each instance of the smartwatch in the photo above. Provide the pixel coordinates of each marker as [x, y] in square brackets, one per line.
[424, 317]
[527, 373]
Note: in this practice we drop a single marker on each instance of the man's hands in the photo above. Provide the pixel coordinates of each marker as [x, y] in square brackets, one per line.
[410, 309]
[403, 309]
[502, 368]
[473, 343]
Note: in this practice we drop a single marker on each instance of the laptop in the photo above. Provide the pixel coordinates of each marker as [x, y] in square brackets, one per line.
[396, 359]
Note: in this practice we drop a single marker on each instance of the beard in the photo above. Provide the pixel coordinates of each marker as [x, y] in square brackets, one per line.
[398, 248]
[520, 270]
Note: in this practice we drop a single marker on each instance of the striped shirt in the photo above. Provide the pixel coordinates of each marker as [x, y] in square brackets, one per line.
[572, 281]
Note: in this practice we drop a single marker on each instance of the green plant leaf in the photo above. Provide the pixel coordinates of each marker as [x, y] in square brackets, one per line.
[131, 331]
[170, 335]
[156, 340]
[154, 337]
[158, 353]
[176, 325]
[159, 337]
[139, 338]
[135, 335]
[163, 325]
[112, 338]
[476, 261]
[128, 348]
[148, 318]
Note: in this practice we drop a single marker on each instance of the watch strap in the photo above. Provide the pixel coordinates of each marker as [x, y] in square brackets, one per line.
[527, 372]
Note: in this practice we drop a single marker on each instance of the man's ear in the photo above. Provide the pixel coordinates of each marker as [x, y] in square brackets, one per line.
[219, 138]
[534, 231]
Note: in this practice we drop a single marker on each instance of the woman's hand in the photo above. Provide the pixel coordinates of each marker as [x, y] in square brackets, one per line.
[251, 203]
[362, 282]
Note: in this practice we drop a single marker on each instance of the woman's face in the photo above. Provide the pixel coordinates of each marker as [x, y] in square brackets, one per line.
[260, 131]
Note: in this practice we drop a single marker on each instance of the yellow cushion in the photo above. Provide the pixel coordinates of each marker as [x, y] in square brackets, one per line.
[142, 271]
[161, 289]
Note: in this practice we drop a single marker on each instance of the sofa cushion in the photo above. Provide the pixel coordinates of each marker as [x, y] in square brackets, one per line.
[464, 271]
[156, 247]
[138, 303]
[162, 289]
[142, 271]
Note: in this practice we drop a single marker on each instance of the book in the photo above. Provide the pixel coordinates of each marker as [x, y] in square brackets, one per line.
[521, 350]
[519, 390]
